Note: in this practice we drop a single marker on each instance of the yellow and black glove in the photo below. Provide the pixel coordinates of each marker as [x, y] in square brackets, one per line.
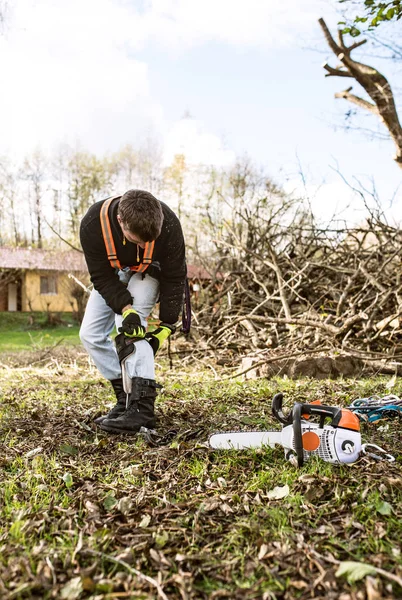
[157, 337]
[131, 325]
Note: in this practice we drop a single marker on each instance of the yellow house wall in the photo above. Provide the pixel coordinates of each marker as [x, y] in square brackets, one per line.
[33, 300]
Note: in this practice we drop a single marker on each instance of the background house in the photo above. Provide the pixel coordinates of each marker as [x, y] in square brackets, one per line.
[199, 279]
[33, 279]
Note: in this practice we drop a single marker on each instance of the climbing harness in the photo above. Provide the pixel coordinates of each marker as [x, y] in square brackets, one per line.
[143, 266]
[111, 248]
[376, 407]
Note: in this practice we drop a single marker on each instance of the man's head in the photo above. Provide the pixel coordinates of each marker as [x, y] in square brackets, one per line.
[140, 216]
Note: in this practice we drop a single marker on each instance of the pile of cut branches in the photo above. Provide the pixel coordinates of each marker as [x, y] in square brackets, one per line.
[285, 287]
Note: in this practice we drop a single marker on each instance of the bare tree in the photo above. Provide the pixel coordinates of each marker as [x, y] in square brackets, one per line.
[126, 166]
[89, 177]
[150, 165]
[35, 171]
[59, 171]
[10, 222]
[175, 176]
[372, 81]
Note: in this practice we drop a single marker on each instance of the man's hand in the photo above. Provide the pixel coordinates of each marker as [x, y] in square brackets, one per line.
[131, 325]
[157, 337]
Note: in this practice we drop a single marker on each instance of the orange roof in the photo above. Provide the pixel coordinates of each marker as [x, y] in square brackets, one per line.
[42, 260]
[195, 272]
[68, 260]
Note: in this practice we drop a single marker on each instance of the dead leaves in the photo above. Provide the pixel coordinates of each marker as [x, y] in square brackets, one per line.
[90, 515]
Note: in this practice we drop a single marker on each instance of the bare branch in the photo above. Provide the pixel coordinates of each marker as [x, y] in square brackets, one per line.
[330, 40]
[358, 101]
[336, 72]
[61, 238]
[357, 45]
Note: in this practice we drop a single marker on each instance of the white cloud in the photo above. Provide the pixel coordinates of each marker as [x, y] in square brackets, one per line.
[69, 70]
[68, 76]
[187, 137]
[265, 23]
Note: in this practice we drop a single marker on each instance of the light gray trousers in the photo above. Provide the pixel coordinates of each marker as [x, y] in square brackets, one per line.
[99, 321]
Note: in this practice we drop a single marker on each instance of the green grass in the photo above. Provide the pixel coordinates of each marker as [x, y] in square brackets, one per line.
[31, 331]
[74, 499]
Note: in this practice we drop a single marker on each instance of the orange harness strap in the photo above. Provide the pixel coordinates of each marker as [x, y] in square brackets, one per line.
[110, 246]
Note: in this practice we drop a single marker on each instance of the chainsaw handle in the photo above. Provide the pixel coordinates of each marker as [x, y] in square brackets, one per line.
[277, 410]
[323, 411]
[297, 412]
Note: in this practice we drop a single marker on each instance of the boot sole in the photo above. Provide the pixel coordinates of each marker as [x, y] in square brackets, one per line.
[117, 431]
[126, 431]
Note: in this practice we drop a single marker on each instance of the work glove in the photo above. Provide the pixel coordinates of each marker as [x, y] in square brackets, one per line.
[157, 337]
[131, 325]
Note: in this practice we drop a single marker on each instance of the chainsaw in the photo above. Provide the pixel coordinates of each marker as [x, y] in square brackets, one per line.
[337, 441]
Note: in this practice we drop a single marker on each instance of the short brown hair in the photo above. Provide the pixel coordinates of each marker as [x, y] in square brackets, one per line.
[141, 213]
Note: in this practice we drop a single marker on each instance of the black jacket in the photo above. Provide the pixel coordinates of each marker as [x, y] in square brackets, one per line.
[168, 260]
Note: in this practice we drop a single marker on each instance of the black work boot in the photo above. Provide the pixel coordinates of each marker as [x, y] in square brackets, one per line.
[140, 410]
[120, 406]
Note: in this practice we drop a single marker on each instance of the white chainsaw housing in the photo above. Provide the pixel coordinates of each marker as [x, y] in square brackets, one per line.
[334, 444]
[331, 444]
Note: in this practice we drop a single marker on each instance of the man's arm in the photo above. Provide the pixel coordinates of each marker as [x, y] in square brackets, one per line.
[173, 274]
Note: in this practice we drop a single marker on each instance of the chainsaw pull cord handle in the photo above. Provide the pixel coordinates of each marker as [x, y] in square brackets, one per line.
[277, 410]
[297, 411]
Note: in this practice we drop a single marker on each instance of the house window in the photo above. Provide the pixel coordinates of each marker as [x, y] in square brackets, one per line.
[48, 284]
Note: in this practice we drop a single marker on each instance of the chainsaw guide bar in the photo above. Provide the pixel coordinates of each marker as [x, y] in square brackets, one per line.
[238, 440]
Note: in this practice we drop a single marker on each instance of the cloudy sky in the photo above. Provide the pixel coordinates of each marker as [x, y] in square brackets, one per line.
[247, 75]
